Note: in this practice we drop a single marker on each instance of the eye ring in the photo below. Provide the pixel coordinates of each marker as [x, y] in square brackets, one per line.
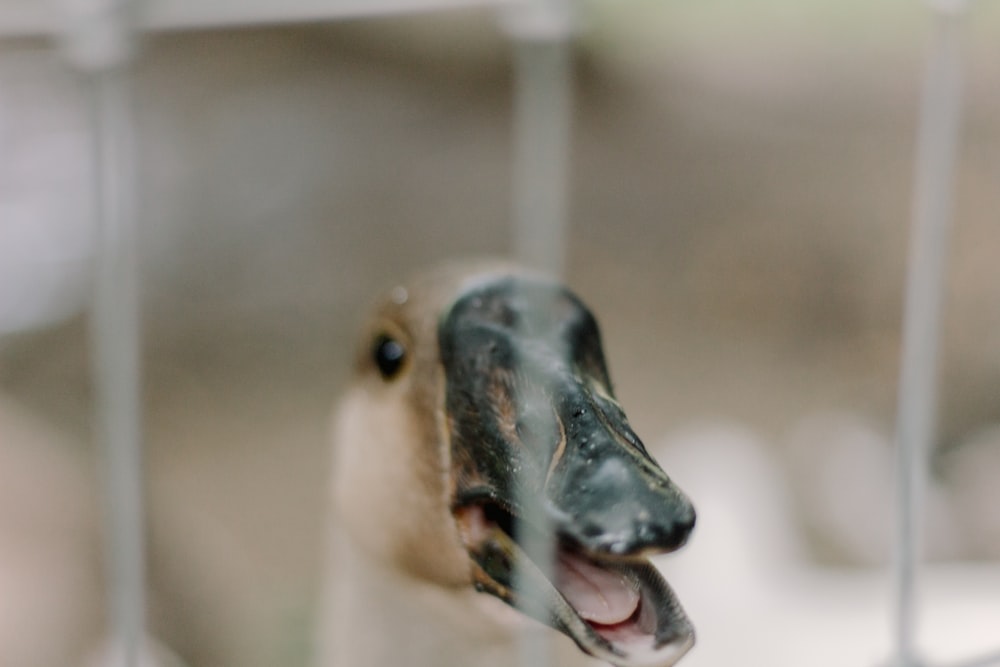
[389, 356]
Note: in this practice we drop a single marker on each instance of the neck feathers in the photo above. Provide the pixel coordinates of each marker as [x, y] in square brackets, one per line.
[377, 616]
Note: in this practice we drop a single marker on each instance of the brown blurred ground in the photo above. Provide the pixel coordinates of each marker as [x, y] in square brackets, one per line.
[739, 204]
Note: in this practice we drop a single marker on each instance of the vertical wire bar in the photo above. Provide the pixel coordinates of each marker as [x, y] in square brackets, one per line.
[535, 535]
[542, 109]
[115, 343]
[937, 146]
[540, 182]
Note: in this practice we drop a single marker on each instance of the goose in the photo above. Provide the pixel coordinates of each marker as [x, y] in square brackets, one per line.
[480, 396]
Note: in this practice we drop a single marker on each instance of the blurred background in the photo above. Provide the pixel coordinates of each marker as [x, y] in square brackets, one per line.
[739, 205]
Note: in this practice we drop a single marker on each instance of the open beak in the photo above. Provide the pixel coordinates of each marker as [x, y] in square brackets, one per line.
[540, 449]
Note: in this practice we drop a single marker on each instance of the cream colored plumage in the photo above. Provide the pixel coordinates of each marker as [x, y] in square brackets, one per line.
[403, 574]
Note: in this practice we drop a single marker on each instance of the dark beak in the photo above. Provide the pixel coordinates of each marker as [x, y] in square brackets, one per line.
[540, 446]
[609, 496]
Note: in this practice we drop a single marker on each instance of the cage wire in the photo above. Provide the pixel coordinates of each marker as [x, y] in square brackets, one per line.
[98, 43]
[540, 34]
[937, 150]
[115, 343]
[937, 145]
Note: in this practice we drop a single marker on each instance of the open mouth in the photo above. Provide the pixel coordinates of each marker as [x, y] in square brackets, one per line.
[616, 608]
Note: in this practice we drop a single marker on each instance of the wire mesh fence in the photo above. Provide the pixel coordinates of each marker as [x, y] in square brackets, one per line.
[540, 175]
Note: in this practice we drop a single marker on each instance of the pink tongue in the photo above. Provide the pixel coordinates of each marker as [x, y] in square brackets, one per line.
[597, 595]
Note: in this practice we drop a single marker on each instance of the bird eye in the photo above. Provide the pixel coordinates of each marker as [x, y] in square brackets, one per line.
[389, 356]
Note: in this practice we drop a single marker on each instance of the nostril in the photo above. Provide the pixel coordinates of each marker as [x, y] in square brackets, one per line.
[524, 430]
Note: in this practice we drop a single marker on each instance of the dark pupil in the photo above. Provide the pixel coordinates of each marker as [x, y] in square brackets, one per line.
[388, 355]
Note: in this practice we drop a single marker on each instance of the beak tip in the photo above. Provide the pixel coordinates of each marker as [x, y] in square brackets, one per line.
[682, 528]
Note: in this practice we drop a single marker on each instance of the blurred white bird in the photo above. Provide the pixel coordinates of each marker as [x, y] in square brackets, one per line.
[756, 600]
[46, 221]
[841, 473]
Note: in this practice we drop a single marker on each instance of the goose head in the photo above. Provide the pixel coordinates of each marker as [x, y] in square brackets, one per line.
[481, 416]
